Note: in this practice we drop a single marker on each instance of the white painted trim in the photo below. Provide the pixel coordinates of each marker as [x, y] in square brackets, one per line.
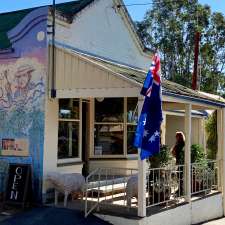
[124, 123]
[98, 92]
[109, 123]
[69, 160]
[128, 23]
[163, 129]
[122, 156]
[125, 126]
[68, 120]
[222, 174]
[197, 212]
[132, 156]
[166, 98]
[92, 126]
[78, 121]
[187, 157]
[220, 138]
[141, 175]
[182, 114]
[80, 128]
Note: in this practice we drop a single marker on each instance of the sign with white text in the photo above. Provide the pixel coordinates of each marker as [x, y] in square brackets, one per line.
[19, 184]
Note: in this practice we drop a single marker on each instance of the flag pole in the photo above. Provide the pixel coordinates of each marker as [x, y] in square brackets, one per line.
[141, 174]
[147, 135]
[53, 90]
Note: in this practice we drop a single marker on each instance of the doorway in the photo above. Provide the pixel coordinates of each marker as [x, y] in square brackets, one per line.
[85, 135]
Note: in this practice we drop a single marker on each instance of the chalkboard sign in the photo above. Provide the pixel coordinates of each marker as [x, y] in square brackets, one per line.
[18, 189]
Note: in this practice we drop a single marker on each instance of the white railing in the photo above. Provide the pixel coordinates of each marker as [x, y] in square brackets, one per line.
[90, 204]
[108, 186]
[165, 185]
[204, 177]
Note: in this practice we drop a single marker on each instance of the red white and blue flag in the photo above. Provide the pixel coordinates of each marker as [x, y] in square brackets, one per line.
[147, 136]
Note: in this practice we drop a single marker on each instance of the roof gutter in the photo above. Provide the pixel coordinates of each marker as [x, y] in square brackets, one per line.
[198, 100]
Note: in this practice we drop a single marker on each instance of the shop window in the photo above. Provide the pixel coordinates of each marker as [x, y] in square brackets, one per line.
[68, 131]
[109, 110]
[111, 127]
[132, 119]
[109, 139]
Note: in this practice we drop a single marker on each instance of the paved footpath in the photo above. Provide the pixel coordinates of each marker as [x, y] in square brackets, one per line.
[216, 222]
[51, 216]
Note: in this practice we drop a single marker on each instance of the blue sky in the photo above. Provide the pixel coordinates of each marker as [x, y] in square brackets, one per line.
[137, 12]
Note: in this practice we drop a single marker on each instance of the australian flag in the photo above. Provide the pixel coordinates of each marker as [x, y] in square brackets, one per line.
[147, 136]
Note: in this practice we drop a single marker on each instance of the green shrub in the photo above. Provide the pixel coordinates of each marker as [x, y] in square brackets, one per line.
[162, 158]
[211, 130]
[197, 153]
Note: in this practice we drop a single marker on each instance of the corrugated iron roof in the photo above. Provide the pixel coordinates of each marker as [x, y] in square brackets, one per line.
[11, 19]
[168, 88]
[7, 22]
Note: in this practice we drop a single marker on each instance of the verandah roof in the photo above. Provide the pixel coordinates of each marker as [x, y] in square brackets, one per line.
[132, 76]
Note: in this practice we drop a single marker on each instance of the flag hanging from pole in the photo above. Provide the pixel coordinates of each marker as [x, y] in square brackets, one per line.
[147, 135]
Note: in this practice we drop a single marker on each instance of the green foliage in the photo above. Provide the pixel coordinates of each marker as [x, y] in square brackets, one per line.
[170, 27]
[211, 129]
[197, 154]
[162, 158]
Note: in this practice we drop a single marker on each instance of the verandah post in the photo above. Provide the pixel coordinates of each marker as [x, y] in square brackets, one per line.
[219, 156]
[187, 163]
[222, 173]
[141, 175]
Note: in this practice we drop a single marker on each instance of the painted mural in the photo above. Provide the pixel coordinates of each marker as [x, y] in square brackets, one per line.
[22, 94]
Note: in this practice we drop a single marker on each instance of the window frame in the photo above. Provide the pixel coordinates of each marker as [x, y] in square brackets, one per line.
[79, 121]
[124, 123]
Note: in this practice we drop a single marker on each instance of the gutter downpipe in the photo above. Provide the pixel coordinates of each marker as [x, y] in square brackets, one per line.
[53, 90]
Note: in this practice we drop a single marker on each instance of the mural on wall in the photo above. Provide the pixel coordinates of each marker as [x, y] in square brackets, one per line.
[22, 94]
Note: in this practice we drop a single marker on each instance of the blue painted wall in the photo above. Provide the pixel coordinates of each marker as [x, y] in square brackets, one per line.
[23, 75]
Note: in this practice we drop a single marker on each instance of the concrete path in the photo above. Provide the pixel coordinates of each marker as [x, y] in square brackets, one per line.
[216, 222]
[52, 216]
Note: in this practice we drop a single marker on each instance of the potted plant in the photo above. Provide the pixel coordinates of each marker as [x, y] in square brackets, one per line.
[158, 185]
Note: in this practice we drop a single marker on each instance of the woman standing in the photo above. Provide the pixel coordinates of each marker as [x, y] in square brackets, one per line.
[178, 153]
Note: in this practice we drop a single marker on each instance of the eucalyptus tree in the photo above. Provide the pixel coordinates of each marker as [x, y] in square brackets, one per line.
[170, 27]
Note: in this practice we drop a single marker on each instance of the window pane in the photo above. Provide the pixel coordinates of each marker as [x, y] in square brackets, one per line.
[109, 110]
[130, 139]
[108, 139]
[68, 137]
[69, 108]
[132, 110]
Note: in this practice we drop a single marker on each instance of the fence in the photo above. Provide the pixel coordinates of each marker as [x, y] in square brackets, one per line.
[111, 187]
[204, 177]
[119, 186]
[165, 185]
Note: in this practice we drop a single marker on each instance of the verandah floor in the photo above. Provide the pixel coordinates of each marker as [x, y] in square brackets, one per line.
[121, 211]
